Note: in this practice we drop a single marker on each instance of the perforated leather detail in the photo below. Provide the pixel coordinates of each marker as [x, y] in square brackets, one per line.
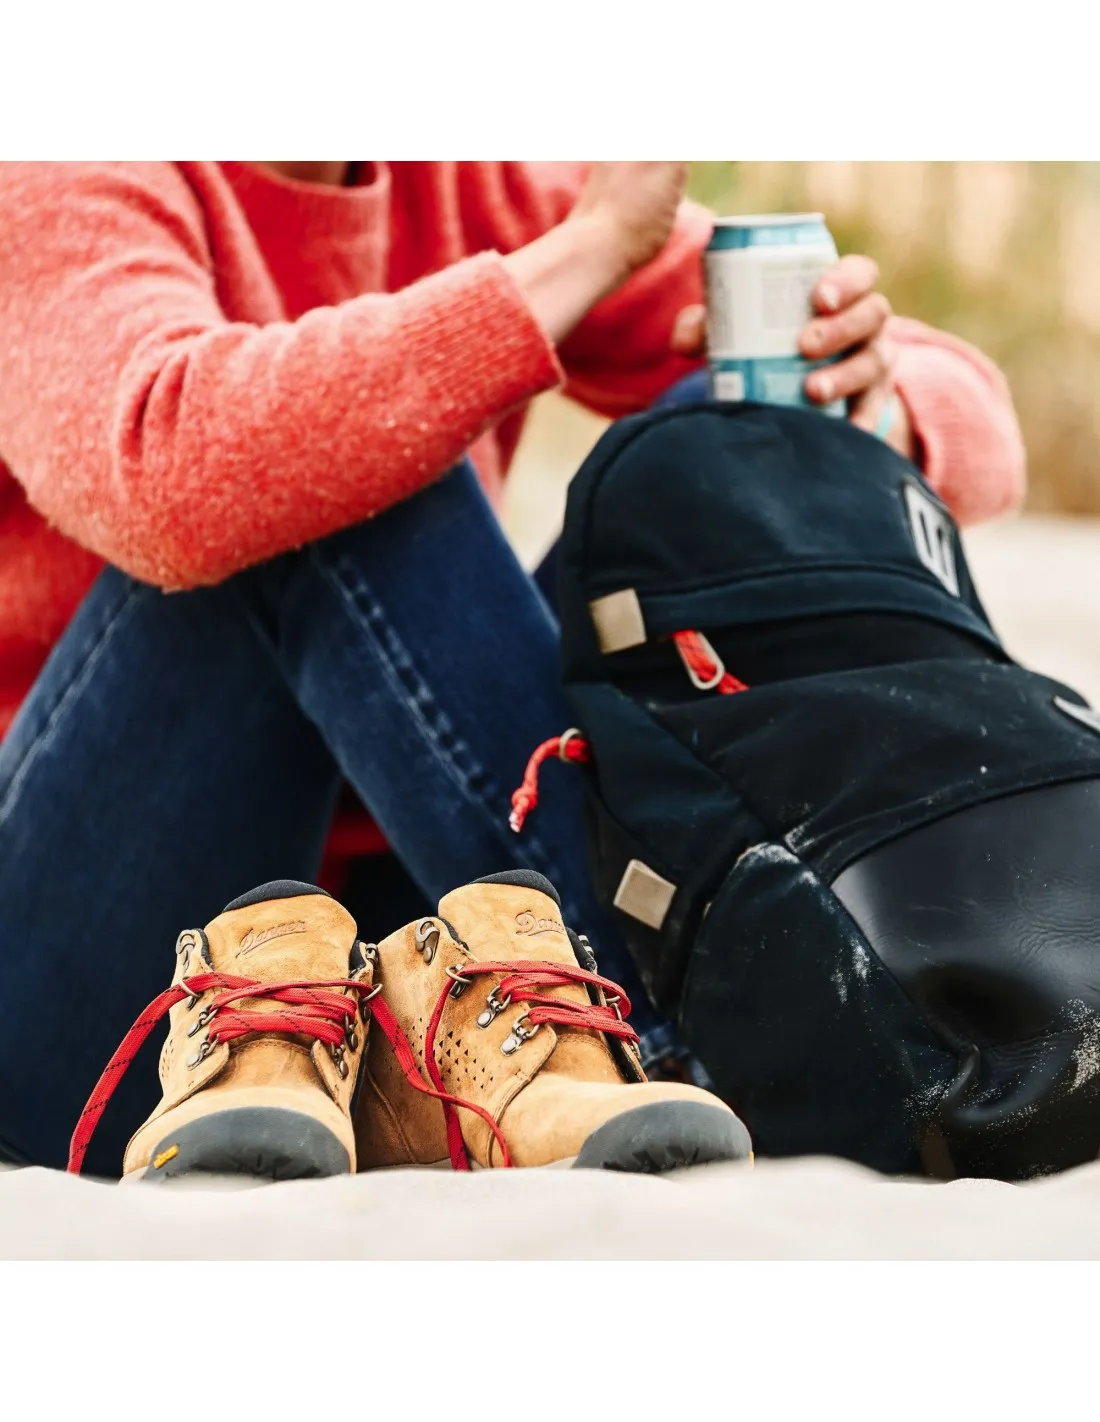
[463, 1070]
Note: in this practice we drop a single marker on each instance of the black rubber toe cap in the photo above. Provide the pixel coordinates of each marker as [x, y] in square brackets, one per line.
[665, 1135]
[269, 1143]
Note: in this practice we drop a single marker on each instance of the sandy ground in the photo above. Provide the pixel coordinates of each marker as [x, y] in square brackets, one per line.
[1040, 579]
[811, 1209]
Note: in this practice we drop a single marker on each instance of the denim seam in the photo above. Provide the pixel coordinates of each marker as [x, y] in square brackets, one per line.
[53, 723]
[346, 578]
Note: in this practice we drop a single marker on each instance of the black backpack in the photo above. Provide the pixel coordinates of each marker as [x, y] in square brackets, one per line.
[855, 848]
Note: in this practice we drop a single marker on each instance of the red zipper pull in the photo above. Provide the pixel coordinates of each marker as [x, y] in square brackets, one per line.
[704, 666]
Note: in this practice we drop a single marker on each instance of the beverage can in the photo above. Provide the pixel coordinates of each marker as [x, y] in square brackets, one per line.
[759, 274]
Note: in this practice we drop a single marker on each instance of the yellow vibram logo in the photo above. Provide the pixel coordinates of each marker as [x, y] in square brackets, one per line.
[165, 1156]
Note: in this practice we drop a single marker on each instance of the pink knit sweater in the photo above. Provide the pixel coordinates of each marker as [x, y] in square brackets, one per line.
[202, 366]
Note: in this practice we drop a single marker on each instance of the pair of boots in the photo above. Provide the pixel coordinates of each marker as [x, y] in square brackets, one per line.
[483, 1035]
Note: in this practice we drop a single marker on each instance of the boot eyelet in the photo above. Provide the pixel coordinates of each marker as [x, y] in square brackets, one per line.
[519, 1035]
[352, 1040]
[494, 1006]
[365, 999]
[427, 939]
[460, 983]
[200, 1021]
[185, 942]
[339, 1062]
[589, 953]
[205, 1048]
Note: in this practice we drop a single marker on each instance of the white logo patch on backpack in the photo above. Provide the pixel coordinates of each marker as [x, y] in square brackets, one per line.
[933, 536]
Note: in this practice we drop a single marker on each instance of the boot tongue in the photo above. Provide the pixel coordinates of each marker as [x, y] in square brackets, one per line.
[287, 939]
[506, 921]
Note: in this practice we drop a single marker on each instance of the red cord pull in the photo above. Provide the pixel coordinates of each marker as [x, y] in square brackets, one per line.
[704, 665]
[570, 747]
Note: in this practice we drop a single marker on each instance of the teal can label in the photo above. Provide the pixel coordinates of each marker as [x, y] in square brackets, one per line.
[760, 273]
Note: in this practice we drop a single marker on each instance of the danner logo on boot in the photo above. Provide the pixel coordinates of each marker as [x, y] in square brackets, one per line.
[253, 940]
[530, 924]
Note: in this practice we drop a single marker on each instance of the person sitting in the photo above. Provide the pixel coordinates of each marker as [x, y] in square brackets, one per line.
[254, 423]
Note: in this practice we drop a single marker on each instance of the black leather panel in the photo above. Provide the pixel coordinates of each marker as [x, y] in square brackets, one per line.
[990, 918]
[990, 922]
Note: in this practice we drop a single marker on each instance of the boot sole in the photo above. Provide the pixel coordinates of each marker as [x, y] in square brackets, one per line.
[665, 1135]
[263, 1142]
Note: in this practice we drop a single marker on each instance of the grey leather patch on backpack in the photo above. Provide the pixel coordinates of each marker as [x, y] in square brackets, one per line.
[643, 894]
[618, 620]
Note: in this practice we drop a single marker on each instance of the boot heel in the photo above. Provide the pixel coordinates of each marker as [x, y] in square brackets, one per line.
[265, 1142]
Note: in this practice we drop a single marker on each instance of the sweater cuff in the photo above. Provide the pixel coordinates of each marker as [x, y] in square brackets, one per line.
[478, 344]
[957, 423]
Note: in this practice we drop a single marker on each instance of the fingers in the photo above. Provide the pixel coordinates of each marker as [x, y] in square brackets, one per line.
[852, 277]
[872, 365]
[855, 325]
[689, 334]
[851, 316]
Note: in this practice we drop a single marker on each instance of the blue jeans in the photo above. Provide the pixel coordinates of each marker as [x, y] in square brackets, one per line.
[178, 749]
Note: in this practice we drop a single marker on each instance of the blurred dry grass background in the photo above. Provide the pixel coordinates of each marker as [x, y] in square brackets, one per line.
[1006, 255]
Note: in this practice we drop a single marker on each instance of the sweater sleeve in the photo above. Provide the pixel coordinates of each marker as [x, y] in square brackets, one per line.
[617, 360]
[972, 452]
[182, 446]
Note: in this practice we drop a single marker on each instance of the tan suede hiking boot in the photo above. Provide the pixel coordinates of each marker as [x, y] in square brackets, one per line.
[266, 1035]
[505, 1014]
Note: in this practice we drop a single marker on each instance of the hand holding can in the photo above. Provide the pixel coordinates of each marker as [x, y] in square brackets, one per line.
[848, 349]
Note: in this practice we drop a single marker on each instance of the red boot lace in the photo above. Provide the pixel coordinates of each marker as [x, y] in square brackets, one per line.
[326, 1015]
[521, 983]
[317, 1013]
[707, 672]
